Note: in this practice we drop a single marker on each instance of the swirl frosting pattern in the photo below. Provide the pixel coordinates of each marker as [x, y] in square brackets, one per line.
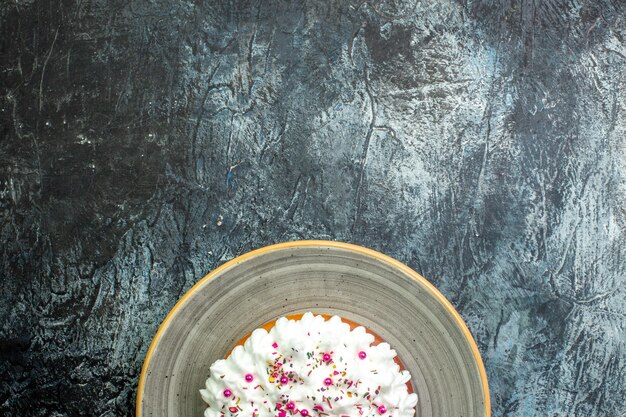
[309, 367]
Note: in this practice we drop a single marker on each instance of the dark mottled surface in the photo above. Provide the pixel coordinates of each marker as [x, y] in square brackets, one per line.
[145, 142]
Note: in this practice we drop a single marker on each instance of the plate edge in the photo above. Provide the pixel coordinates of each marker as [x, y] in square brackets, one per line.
[319, 243]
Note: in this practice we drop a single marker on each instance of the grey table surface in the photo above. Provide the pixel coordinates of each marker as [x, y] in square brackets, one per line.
[143, 143]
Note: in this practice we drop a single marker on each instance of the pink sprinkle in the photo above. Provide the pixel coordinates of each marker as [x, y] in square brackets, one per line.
[362, 355]
[227, 393]
[274, 345]
[290, 406]
[249, 377]
[335, 373]
[233, 409]
[282, 414]
[326, 357]
[382, 409]
[304, 412]
[328, 382]
[279, 405]
[318, 408]
[284, 379]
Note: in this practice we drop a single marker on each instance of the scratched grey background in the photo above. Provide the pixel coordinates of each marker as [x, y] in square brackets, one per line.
[144, 142]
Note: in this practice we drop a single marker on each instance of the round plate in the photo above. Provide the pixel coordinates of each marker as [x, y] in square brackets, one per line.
[359, 284]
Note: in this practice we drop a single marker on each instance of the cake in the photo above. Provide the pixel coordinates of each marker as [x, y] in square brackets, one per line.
[309, 367]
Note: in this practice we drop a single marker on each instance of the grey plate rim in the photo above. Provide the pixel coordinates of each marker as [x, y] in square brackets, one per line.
[329, 244]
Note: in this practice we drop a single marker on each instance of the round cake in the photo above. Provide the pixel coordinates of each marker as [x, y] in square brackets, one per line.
[309, 367]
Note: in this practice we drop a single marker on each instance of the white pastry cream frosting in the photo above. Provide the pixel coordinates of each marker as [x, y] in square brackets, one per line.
[309, 367]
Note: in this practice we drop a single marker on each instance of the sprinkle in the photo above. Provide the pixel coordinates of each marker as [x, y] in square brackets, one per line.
[233, 409]
[274, 345]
